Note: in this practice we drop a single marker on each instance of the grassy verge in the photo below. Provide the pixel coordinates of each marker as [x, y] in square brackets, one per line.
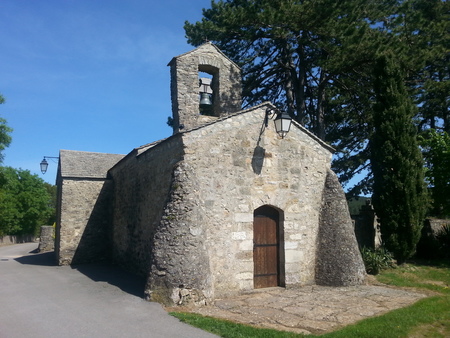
[428, 317]
[225, 328]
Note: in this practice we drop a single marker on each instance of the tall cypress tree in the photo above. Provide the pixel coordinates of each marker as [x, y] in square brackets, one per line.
[399, 194]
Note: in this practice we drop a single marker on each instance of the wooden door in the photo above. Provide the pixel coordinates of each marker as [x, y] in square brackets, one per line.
[266, 248]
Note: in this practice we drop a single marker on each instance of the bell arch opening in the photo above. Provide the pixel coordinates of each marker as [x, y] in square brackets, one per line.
[208, 77]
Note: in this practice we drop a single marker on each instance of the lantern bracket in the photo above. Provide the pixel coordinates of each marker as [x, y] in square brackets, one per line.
[44, 163]
[282, 121]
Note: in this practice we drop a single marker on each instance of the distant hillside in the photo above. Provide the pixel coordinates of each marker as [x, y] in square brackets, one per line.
[354, 204]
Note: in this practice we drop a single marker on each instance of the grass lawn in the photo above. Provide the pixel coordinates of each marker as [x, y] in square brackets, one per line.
[429, 317]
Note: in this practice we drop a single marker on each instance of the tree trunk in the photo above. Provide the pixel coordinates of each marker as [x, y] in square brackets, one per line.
[320, 110]
[300, 87]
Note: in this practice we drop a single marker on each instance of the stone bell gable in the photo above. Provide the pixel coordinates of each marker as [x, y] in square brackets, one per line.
[186, 70]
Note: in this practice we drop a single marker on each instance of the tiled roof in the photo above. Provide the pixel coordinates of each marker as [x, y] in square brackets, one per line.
[83, 164]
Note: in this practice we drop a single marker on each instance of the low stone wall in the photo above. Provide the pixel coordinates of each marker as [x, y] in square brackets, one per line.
[8, 240]
[437, 225]
[429, 246]
[47, 239]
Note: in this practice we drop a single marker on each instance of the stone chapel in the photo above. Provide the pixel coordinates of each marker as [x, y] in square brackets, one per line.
[223, 206]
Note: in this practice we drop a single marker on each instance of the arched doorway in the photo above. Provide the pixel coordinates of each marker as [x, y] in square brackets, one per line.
[268, 248]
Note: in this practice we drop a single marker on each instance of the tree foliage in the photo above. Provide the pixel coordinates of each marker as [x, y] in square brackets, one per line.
[314, 59]
[52, 191]
[422, 28]
[436, 151]
[5, 131]
[25, 203]
[311, 58]
[399, 193]
[292, 52]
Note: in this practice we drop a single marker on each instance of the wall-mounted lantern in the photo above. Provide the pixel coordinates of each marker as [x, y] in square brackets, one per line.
[282, 121]
[44, 163]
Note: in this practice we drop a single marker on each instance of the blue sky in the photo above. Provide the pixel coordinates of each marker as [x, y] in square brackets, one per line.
[87, 75]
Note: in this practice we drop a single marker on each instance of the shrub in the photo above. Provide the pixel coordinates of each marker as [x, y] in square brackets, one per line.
[376, 260]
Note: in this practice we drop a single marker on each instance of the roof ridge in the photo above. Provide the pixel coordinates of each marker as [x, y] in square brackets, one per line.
[202, 45]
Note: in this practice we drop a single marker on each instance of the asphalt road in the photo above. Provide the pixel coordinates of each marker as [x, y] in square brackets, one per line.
[40, 299]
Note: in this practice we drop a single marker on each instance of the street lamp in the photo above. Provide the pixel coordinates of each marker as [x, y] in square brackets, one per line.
[44, 163]
[282, 121]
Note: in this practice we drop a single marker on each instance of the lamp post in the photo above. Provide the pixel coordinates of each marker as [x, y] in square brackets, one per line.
[44, 163]
[282, 122]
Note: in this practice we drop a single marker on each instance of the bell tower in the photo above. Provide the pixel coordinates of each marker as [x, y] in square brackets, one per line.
[205, 85]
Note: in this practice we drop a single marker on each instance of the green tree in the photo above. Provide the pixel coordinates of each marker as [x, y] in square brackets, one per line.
[5, 131]
[25, 204]
[436, 150]
[292, 52]
[52, 191]
[421, 29]
[311, 58]
[399, 193]
[314, 59]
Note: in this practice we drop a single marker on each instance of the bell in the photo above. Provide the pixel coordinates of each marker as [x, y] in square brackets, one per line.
[205, 99]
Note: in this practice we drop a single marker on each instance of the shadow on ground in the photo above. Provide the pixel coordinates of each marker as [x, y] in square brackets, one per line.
[44, 259]
[114, 275]
[110, 274]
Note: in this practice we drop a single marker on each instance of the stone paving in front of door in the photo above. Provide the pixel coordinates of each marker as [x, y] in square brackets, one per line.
[309, 309]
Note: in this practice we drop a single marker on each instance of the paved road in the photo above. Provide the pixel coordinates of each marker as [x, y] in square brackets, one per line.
[39, 299]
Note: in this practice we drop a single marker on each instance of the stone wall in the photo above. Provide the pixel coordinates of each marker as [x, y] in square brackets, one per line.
[437, 225]
[429, 247]
[84, 213]
[11, 239]
[142, 182]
